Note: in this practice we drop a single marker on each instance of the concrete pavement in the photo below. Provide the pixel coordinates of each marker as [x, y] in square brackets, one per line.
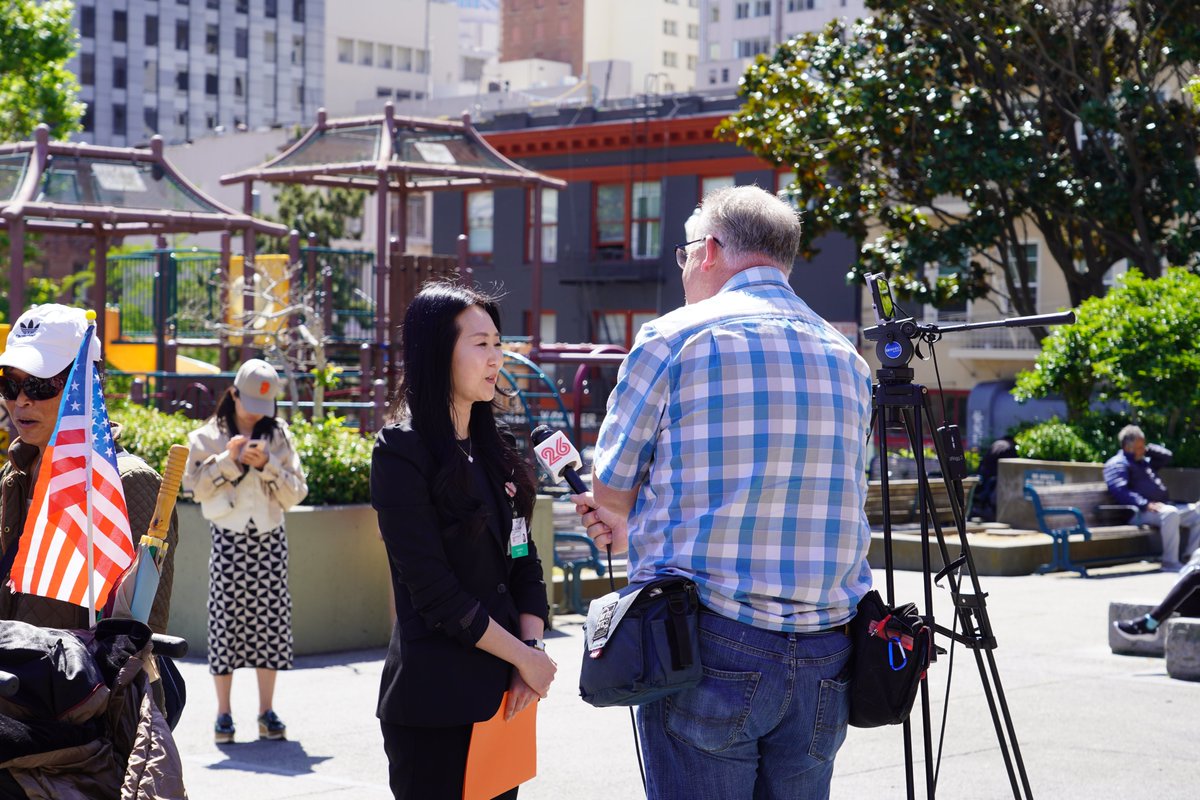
[1083, 716]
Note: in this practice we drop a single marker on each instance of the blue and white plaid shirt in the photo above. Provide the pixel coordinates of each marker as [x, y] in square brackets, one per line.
[743, 418]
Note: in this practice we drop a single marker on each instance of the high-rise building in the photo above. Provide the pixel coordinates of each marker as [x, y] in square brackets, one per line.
[622, 47]
[190, 68]
[733, 32]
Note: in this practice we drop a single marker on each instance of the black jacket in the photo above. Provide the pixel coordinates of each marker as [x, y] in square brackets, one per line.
[447, 584]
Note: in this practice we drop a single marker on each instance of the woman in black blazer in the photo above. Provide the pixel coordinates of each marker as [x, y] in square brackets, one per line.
[454, 499]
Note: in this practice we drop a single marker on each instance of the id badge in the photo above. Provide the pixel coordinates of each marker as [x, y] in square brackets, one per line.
[518, 540]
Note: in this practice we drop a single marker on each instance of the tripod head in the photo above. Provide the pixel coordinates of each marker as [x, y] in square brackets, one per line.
[895, 339]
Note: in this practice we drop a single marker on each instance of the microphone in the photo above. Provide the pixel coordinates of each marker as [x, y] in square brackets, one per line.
[558, 457]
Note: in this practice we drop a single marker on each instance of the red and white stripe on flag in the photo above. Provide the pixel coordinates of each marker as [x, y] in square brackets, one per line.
[52, 560]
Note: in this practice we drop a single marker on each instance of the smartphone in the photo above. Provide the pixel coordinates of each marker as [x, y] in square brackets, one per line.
[256, 444]
[881, 298]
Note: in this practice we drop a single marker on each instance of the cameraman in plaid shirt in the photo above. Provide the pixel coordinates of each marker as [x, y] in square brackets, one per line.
[733, 452]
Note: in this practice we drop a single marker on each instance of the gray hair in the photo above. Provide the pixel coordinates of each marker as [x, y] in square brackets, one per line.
[748, 220]
[1130, 434]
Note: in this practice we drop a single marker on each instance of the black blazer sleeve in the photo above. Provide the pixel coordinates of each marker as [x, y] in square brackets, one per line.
[401, 471]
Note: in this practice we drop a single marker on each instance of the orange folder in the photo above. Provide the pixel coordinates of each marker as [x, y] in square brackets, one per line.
[503, 754]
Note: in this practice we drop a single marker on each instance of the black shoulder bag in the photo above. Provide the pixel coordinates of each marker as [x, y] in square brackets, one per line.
[892, 648]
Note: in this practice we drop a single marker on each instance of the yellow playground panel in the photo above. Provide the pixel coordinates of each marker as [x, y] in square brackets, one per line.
[271, 280]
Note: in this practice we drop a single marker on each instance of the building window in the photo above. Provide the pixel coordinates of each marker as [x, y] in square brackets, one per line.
[150, 119]
[239, 85]
[712, 183]
[118, 119]
[480, 219]
[120, 78]
[150, 76]
[670, 27]
[646, 219]
[120, 26]
[670, 59]
[366, 54]
[693, 31]
[213, 4]
[297, 49]
[404, 59]
[270, 8]
[181, 121]
[241, 43]
[714, 12]
[1030, 249]
[212, 84]
[297, 10]
[725, 75]
[242, 6]
[416, 227]
[89, 119]
[182, 80]
[803, 5]
[714, 51]
[212, 38]
[610, 221]
[299, 94]
[549, 226]
[619, 327]
[955, 312]
[383, 91]
[421, 61]
[345, 51]
[87, 22]
[181, 34]
[87, 68]
[712, 77]
[270, 48]
[762, 8]
[151, 32]
[384, 52]
[748, 48]
[741, 10]
[692, 62]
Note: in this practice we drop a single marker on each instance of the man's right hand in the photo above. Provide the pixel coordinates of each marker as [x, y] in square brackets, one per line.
[604, 526]
[1156, 507]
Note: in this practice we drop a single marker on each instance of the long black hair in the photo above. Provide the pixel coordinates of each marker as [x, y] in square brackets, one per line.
[226, 417]
[429, 334]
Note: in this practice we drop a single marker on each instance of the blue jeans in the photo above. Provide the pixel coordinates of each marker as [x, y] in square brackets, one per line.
[764, 723]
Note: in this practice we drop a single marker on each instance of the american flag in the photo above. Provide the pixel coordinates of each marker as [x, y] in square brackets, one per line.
[65, 518]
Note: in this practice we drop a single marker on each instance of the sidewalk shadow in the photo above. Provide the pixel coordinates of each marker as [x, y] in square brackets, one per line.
[272, 758]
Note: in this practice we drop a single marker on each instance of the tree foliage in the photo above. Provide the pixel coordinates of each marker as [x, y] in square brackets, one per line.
[945, 133]
[37, 39]
[1139, 346]
[326, 213]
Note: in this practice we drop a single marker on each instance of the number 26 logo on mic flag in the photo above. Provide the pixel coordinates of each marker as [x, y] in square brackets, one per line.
[555, 450]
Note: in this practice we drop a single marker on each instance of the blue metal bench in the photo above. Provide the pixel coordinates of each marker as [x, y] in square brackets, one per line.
[1091, 502]
[573, 553]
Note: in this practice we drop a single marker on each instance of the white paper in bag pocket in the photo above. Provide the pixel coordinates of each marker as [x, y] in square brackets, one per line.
[604, 614]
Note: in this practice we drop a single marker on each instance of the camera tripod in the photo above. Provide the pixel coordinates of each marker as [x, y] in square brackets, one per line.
[897, 401]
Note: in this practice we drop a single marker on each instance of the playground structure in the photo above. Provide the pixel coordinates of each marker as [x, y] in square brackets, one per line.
[162, 299]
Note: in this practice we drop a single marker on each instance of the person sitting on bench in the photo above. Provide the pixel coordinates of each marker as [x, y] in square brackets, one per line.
[1132, 481]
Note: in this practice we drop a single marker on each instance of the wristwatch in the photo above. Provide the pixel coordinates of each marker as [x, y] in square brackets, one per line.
[536, 644]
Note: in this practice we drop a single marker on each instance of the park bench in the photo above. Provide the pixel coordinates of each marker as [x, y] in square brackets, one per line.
[573, 553]
[905, 503]
[1084, 512]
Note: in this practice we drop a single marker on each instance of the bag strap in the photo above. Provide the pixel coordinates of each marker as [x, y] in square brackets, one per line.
[681, 634]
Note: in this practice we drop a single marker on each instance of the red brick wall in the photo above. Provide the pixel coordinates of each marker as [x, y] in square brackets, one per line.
[549, 29]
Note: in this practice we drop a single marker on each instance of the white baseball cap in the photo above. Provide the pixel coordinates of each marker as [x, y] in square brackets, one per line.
[258, 385]
[45, 340]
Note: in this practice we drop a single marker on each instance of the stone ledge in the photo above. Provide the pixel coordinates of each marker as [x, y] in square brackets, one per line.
[1118, 610]
[1183, 648]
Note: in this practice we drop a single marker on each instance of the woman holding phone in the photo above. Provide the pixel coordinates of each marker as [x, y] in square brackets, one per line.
[454, 499]
[244, 472]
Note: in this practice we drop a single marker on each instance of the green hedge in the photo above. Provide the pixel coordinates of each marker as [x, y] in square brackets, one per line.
[1094, 438]
[336, 459]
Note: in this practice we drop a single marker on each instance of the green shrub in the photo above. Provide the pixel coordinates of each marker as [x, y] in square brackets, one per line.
[1057, 441]
[336, 459]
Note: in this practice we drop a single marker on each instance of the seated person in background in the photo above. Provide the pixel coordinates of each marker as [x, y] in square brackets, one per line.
[1146, 627]
[984, 504]
[1132, 481]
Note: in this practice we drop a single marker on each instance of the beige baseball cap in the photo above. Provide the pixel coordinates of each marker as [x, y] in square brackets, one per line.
[258, 385]
[45, 340]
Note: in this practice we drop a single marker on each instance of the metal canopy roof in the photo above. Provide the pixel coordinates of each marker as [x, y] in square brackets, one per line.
[63, 187]
[415, 154]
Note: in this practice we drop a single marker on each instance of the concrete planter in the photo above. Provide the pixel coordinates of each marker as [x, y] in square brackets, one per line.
[337, 572]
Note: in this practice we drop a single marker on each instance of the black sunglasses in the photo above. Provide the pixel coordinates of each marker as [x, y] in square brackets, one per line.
[35, 388]
[681, 249]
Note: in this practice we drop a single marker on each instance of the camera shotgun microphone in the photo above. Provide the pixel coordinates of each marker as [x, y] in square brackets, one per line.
[558, 457]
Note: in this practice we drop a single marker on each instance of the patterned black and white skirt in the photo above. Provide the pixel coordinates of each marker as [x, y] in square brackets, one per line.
[249, 605]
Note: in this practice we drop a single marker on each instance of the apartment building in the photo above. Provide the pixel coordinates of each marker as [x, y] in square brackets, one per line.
[184, 69]
[733, 32]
